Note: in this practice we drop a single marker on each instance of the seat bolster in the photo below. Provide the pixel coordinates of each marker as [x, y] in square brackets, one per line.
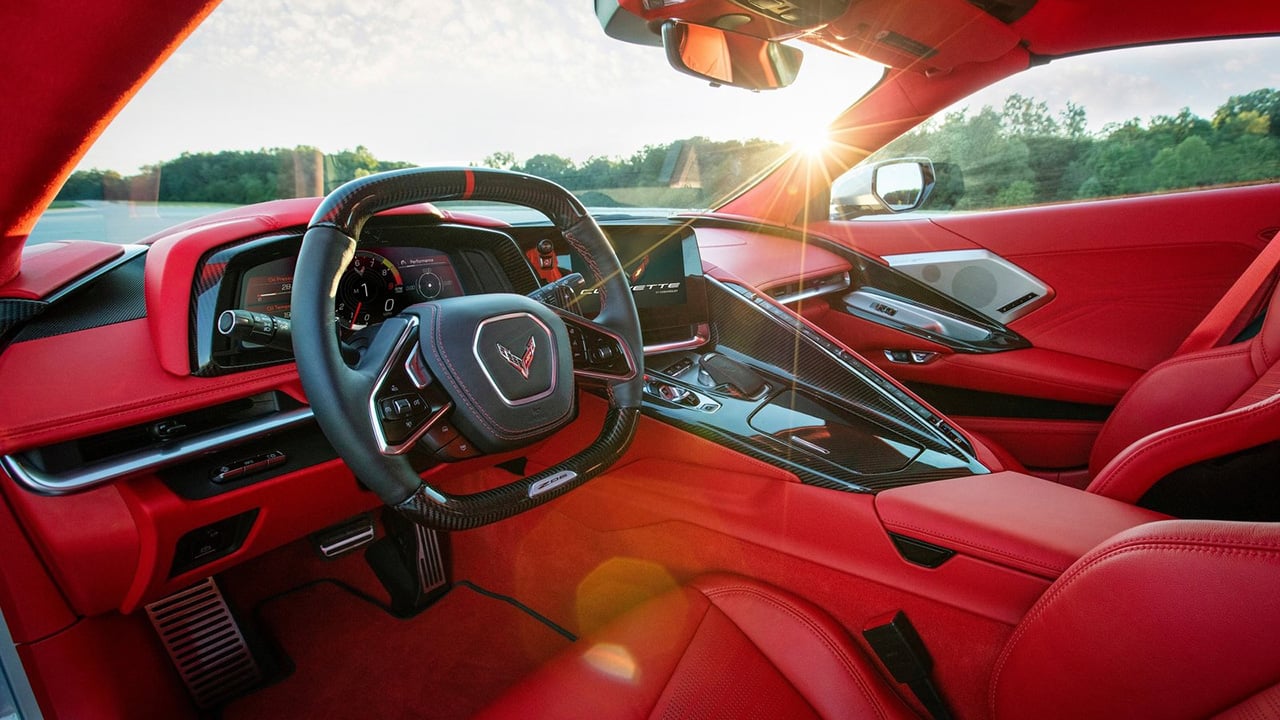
[1174, 619]
[1175, 391]
[1131, 473]
[811, 650]
[620, 672]
[624, 671]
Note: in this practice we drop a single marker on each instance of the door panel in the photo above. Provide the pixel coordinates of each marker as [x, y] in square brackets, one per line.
[1128, 279]
[1132, 276]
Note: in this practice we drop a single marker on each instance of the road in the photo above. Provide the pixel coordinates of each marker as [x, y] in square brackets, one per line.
[127, 222]
[117, 222]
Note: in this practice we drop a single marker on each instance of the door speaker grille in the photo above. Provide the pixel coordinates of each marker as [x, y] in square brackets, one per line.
[205, 643]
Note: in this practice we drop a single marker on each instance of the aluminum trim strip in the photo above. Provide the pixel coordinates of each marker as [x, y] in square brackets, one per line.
[151, 459]
[701, 336]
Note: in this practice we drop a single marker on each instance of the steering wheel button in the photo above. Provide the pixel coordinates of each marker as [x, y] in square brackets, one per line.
[441, 435]
[460, 449]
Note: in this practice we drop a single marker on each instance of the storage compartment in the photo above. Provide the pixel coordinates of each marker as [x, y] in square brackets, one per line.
[805, 425]
[1022, 522]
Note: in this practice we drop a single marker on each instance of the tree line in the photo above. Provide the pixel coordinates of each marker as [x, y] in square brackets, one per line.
[692, 172]
[1018, 154]
[1022, 153]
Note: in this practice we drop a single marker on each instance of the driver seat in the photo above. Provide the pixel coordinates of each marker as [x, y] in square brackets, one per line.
[1174, 619]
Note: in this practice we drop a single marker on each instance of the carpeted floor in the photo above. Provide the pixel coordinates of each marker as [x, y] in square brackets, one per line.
[354, 660]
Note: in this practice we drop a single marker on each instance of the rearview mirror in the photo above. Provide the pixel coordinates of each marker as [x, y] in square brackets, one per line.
[729, 58]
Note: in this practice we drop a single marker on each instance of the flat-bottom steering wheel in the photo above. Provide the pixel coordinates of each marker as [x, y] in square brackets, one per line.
[499, 367]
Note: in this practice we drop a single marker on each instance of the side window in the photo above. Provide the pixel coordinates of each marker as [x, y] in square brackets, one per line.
[1128, 122]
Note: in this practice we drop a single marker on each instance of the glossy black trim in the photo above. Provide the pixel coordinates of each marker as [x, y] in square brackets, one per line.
[919, 552]
[149, 459]
[792, 357]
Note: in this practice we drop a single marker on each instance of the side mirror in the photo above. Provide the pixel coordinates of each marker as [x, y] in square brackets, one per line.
[902, 185]
[729, 58]
[894, 186]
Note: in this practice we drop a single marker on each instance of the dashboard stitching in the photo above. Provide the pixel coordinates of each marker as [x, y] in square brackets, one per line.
[255, 383]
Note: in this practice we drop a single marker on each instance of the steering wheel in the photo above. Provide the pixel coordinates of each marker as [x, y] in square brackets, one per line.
[500, 368]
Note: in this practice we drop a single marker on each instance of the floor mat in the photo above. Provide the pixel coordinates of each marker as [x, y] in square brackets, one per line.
[352, 659]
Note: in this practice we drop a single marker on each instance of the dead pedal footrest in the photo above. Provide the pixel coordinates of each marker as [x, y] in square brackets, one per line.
[205, 644]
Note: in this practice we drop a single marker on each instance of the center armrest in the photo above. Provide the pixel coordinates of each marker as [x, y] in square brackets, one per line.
[1012, 519]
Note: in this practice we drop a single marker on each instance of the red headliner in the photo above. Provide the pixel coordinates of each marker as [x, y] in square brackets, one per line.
[74, 65]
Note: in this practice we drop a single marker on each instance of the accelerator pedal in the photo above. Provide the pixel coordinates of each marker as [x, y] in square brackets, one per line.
[205, 643]
[410, 563]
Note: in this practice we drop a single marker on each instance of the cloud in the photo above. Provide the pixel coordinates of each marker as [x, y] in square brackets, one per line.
[1142, 82]
[431, 82]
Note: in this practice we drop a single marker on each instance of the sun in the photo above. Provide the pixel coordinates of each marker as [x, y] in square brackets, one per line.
[812, 141]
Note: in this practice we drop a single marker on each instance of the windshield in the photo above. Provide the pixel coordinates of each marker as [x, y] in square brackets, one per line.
[276, 99]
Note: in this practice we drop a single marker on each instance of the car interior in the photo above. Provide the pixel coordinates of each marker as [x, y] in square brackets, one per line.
[817, 451]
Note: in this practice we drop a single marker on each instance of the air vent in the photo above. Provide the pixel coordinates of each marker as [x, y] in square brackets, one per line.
[205, 643]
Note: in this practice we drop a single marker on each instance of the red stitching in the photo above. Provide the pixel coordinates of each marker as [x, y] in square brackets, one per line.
[818, 632]
[1177, 544]
[438, 350]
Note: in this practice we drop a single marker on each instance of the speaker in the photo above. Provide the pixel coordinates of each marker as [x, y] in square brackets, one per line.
[974, 286]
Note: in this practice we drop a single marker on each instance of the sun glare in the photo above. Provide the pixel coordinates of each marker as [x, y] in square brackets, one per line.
[812, 141]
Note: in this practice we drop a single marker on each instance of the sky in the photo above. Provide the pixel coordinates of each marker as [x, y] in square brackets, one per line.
[1141, 82]
[436, 82]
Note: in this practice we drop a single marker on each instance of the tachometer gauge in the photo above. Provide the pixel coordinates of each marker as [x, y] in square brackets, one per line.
[369, 292]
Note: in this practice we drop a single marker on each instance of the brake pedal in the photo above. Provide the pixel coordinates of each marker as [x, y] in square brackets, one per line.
[344, 537]
[205, 643]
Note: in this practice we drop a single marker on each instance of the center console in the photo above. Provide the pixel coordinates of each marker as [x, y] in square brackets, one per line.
[736, 368]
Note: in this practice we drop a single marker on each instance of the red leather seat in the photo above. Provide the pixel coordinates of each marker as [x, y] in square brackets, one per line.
[1188, 409]
[1176, 619]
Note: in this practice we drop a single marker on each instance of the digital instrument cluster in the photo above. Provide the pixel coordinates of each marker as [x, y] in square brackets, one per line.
[377, 284]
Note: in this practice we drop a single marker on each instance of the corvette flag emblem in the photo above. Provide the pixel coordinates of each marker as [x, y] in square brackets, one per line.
[519, 363]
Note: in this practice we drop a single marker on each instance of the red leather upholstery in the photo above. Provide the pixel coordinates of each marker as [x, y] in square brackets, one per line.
[724, 646]
[1191, 408]
[1010, 519]
[1174, 619]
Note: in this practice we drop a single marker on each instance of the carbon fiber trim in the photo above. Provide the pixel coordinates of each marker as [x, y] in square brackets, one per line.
[14, 312]
[115, 297]
[443, 511]
[350, 206]
[752, 330]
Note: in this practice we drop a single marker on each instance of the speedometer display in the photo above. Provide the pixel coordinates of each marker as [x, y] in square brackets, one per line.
[369, 292]
[377, 284]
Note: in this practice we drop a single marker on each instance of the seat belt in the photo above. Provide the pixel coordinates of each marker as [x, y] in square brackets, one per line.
[1227, 318]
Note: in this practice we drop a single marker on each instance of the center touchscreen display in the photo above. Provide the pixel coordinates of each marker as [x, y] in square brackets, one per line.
[663, 268]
